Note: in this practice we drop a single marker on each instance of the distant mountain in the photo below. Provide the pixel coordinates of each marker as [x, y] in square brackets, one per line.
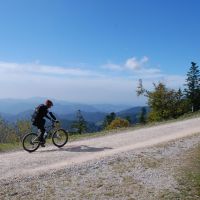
[71, 108]
[93, 117]
[7, 117]
[16, 109]
[88, 116]
[132, 113]
[17, 106]
[91, 127]
[26, 115]
[107, 108]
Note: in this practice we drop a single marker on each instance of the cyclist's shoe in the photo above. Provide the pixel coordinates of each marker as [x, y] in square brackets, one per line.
[42, 143]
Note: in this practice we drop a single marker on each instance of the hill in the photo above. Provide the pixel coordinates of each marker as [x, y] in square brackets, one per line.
[132, 113]
[17, 106]
[13, 110]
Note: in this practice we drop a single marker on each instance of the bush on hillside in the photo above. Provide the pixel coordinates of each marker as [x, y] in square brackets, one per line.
[7, 133]
[118, 123]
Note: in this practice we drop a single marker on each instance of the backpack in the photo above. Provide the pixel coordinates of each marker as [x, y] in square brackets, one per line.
[34, 116]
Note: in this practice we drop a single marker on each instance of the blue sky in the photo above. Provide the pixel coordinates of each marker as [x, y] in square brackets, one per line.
[94, 51]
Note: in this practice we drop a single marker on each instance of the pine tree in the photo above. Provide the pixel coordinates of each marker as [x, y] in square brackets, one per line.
[142, 116]
[80, 124]
[192, 90]
[128, 118]
[108, 119]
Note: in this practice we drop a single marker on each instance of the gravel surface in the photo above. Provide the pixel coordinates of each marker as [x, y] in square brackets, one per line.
[128, 165]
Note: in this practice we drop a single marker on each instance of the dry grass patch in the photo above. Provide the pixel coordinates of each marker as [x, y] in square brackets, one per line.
[188, 178]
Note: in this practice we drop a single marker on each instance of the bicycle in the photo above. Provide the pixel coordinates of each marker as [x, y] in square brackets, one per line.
[59, 138]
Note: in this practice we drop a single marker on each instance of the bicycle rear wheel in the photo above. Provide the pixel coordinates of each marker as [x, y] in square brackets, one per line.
[60, 137]
[31, 142]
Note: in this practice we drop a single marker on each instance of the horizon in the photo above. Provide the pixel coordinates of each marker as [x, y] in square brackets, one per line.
[41, 99]
[15, 107]
[95, 52]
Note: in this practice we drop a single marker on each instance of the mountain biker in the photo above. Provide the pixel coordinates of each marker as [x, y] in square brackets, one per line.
[38, 120]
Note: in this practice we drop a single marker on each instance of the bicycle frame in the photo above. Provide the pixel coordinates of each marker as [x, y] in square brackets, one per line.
[48, 129]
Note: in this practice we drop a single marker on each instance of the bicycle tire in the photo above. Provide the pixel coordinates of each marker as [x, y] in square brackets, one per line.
[30, 139]
[60, 137]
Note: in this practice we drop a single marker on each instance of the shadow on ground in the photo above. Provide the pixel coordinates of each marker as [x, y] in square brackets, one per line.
[81, 148]
[84, 148]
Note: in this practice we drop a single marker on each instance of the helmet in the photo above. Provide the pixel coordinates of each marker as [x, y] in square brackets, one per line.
[49, 103]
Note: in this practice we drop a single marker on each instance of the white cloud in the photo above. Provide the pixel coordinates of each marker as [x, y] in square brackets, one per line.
[135, 64]
[174, 81]
[85, 89]
[34, 68]
[144, 59]
[132, 64]
[74, 84]
[151, 73]
[136, 68]
[112, 66]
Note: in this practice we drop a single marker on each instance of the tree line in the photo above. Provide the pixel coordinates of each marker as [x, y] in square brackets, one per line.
[166, 103]
[11, 133]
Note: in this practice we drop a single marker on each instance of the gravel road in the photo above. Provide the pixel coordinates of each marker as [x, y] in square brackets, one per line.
[20, 164]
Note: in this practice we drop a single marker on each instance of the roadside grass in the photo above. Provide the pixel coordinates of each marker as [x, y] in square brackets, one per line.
[188, 178]
[4, 147]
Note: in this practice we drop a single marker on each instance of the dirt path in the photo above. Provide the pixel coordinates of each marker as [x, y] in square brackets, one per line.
[21, 163]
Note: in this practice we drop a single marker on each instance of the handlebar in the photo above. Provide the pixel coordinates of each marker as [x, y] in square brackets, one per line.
[55, 121]
[52, 125]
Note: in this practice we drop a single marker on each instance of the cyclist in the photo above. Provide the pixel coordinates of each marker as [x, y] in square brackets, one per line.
[38, 118]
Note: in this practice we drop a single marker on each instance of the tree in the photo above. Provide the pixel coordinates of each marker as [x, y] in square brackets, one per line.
[128, 118]
[142, 116]
[80, 124]
[192, 90]
[118, 123]
[164, 103]
[108, 119]
[7, 133]
[23, 127]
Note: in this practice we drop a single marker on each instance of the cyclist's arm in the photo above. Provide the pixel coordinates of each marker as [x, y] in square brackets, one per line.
[52, 116]
[47, 116]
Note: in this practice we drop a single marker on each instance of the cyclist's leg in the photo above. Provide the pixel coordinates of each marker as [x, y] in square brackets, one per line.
[40, 126]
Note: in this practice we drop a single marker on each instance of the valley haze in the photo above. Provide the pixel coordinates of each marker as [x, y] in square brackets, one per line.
[12, 110]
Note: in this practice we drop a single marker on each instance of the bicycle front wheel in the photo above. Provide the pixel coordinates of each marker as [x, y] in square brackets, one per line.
[31, 142]
[60, 137]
